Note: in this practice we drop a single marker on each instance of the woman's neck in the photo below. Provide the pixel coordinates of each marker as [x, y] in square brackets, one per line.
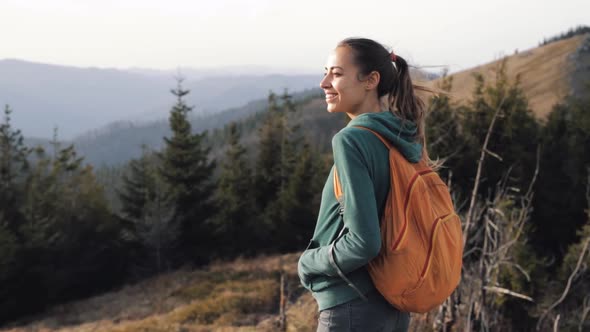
[371, 105]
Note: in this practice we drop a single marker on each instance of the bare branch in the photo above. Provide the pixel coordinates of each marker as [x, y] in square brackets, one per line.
[568, 285]
[495, 155]
[585, 312]
[530, 190]
[556, 324]
[479, 170]
[501, 290]
[519, 268]
[528, 202]
[470, 251]
[491, 223]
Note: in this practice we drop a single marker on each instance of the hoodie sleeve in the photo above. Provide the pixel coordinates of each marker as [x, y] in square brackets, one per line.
[362, 242]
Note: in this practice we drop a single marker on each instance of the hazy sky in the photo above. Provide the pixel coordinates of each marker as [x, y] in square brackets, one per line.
[165, 34]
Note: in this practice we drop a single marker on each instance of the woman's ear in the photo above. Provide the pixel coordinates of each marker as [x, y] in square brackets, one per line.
[373, 80]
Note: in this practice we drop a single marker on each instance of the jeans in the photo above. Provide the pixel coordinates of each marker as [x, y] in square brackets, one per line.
[359, 315]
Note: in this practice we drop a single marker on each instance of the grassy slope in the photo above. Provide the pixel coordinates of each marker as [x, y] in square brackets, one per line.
[544, 74]
[238, 296]
[242, 295]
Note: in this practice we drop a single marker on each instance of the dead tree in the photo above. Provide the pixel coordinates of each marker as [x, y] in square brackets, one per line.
[502, 220]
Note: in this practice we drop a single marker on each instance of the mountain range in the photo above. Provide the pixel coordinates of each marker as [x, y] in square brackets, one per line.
[77, 100]
[138, 113]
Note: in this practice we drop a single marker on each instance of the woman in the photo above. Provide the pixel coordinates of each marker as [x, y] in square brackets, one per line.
[373, 87]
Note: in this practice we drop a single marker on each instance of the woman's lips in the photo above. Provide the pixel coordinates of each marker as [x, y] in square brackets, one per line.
[331, 96]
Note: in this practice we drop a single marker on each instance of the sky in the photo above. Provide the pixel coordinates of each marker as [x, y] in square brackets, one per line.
[168, 34]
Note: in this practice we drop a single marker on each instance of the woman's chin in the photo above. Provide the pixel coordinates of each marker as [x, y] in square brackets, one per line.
[331, 109]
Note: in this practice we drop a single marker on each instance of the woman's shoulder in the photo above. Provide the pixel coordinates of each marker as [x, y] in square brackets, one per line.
[351, 134]
[356, 136]
[354, 140]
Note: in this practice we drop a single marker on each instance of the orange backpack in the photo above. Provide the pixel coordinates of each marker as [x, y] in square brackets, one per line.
[420, 261]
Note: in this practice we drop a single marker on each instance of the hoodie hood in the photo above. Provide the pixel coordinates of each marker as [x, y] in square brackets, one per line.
[402, 134]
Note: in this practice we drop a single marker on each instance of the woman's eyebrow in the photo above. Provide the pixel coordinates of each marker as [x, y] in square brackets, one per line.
[333, 67]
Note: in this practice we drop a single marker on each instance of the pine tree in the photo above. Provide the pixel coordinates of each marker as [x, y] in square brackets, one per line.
[235, 221]
[110, 177]
[286, 177]
[157, 230]
[56, 230]
[187, 173]
[40, 204]
[298, 204]
[70, 228]
[141, 206]
[278, 145]
[13, 165]
[513, 141]
[443, 125]
[562, 177]
[13, 168]
[138, 187]
[8, 250]
[66, 235]
[268, 177]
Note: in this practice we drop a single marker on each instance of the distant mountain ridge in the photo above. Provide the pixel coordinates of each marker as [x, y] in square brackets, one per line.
[195, 73]
[77, 100]
[121, 141]
[548, 73]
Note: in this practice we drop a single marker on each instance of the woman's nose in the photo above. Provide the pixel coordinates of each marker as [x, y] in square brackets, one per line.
[325, 82]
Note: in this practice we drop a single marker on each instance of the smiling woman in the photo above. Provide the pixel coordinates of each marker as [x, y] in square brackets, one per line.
[373, 87]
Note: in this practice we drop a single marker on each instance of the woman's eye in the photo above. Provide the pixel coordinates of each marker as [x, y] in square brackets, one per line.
[337, 74]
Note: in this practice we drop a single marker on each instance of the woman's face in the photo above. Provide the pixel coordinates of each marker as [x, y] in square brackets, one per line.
[344, 92]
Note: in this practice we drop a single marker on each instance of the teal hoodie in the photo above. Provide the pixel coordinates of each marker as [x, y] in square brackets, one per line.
[363, 168]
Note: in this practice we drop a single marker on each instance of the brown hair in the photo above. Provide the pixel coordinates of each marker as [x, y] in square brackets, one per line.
[394, 82]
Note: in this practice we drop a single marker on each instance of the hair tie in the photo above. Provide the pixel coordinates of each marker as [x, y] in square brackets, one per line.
[393, 59]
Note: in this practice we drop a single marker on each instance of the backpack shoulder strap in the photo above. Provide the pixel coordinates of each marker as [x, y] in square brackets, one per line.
[381, 138]
[337, 185]
[395, 154]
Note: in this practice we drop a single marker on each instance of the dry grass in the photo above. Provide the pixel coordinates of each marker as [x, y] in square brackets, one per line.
[242, 295]
[544, 74]
[237, 296]
[302, 316]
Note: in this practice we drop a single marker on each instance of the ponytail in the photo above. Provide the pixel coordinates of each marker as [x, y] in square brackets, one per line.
[403, 101]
